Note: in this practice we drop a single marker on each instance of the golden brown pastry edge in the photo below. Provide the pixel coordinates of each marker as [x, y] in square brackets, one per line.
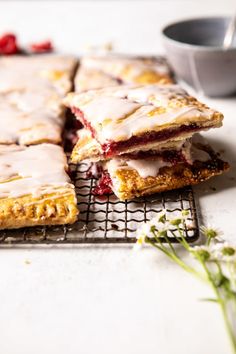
[131, 185]
[49, 209]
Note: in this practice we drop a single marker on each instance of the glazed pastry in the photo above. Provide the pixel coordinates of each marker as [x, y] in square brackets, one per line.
[130, 178]
[112, 70]
[34, 187]
[39, 72]
[31, 91]
[128, 119]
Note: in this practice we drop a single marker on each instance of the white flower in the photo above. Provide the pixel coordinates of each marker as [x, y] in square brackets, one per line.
[224, 252]
[145, 228]
[138, 245]
[158, 226]
[202, 252]
[221, 252]
[180, 219]
[142, 234]
[211, 232]
[141, 239]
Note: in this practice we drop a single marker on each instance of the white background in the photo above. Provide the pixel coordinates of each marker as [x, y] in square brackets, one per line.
[110, 300]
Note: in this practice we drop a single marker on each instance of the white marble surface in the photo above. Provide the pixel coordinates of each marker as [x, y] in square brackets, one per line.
[110, 299]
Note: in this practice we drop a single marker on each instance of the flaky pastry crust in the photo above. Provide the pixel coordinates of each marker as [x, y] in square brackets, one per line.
[128, 183]
[35, 188]
[131, 185]
[86, 148]
[49, 209]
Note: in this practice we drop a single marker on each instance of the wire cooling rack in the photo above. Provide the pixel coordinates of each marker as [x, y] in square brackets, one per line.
[106, 219]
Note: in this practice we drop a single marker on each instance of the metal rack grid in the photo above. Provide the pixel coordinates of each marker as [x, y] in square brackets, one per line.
[106, 219]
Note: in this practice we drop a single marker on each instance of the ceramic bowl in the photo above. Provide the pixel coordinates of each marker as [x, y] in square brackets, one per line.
[194, 50]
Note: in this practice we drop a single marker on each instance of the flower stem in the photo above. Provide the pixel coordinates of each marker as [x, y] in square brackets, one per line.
[223, 306]
[174, 257]
[208, 241]
[183, 240]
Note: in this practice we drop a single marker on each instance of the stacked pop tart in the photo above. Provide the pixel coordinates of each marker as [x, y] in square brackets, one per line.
[141, 129]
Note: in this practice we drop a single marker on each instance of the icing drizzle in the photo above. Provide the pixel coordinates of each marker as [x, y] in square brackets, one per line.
[34, 170]
[125, 67]
[144, 167]
[150, 167]
[118, 113]
[31, 91]
[114, 69]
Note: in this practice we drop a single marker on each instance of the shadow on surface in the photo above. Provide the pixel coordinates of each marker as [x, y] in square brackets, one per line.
[226, 180]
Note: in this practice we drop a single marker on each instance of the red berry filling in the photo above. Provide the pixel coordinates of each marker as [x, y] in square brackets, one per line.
[8, 44]
[103, 186]
[113, 148]
[79, 114]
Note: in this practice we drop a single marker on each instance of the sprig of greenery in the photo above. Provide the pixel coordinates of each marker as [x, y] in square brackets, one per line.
[216, 258]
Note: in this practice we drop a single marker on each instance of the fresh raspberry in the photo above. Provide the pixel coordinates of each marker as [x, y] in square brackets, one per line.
[42, 47]
[8, 44]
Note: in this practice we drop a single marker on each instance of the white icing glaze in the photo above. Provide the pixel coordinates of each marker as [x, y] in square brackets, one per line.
[34, 170]
[31, 91]
[104, 71]
[115, 65]
[112, 108]
[151, 166]
[147, 168]
[134, 125]
[144, 167]
[20, 123]
[41, 72]
[88, 79]
[31, 101]
[158, 95]
[111, 104]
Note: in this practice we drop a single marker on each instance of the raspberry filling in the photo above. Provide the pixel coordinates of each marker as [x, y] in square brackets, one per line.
[104, 184]
[113, 148]
[79, 114]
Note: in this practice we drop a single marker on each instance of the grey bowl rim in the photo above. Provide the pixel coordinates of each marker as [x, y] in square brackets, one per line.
[195, 47]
